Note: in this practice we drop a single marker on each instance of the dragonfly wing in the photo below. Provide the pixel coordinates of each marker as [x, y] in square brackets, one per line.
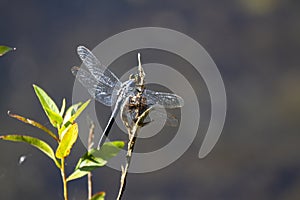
[98, 90]
[159, 115]
[99, 71]
[166, 100]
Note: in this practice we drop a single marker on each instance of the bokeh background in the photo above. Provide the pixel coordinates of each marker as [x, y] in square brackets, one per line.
[256, 46]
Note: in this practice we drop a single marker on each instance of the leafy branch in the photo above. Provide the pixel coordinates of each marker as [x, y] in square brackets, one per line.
[66, 136]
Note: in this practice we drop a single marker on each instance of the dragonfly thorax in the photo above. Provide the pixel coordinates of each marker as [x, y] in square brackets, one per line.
[127, 88]
[133, 107]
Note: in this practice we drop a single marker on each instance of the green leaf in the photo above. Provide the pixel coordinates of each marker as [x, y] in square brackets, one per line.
[41, 145]
[98, 196]
[109, 150]
[54, 118]
[79, 111]
[77, 174]
[33, 123]
[49, 106]
[5, 49]
[71, 111]
[96, 158]
[45, 100]
[69, 137]
[71, 114]
[63, 107]
[74, 111]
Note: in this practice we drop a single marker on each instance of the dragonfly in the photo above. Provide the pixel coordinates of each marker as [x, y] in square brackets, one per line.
[106, 88]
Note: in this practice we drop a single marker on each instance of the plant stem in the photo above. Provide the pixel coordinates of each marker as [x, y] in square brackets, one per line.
[90, 145]
[63, 176]
[131, 144]
[133, 131]
[90, 183]
[132, 139]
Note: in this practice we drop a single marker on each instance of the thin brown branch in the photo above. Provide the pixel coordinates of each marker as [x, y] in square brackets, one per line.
[131, 143]
[133, 131]
[90, 145]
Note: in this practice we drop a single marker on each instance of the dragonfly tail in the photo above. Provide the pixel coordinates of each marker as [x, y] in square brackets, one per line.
[106, 132]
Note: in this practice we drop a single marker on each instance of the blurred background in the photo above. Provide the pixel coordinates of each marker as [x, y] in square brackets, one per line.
[256, 46]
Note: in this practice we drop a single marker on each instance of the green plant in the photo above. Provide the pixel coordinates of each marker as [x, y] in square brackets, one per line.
[67, 133]
[5, 49]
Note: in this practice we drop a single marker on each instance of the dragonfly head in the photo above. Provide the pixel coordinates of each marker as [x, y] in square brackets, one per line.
[136, 79]
[133, 77]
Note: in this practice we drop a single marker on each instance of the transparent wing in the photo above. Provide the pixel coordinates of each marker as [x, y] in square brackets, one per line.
[99, 71]
[166, 100]
[98, 90]
[160, 115]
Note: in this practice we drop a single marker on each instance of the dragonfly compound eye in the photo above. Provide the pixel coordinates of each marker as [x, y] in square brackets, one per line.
[132, 77]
